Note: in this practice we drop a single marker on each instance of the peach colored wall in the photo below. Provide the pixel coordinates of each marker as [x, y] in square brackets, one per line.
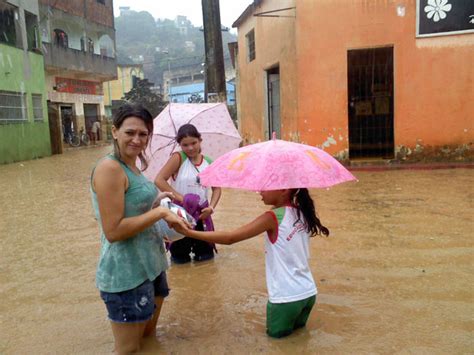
[433, 77]
[275, 45]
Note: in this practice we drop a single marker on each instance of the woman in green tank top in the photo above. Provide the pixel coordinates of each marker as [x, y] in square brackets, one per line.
[131, 273]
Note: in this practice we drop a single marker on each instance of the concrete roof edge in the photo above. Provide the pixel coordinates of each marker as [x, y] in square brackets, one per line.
[244, 15]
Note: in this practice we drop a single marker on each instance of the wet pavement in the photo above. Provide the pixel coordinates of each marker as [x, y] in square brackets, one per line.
[395, 276]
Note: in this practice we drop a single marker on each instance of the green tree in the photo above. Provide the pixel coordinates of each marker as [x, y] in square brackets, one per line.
[142, 94]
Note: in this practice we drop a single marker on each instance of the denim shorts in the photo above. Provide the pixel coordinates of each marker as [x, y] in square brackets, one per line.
[135, 305]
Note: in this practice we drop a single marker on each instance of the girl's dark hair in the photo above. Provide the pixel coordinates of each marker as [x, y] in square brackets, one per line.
[187, 130]
[305, 205]
[133, 110]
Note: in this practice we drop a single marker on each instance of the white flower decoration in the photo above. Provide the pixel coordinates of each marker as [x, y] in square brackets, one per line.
[437, 9]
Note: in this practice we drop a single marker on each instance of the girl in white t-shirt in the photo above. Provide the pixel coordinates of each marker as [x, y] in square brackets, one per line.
[180, 176]
[289, 225]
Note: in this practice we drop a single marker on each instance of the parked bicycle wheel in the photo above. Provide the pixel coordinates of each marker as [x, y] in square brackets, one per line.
[85, 139]
[74, 140]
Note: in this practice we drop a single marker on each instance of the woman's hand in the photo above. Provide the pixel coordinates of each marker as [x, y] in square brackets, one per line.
[177, 223]
[161, 196]
[206, 212]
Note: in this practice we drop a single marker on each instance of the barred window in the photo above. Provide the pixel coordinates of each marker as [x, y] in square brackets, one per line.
[37, 107]
[12, 107]
[250, 45]
[8, 30]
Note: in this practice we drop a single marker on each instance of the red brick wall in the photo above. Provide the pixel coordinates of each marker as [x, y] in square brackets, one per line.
[100, 13]
[90, 9]
[71, 7]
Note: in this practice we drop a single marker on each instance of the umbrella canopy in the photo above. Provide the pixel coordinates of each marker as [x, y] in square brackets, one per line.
[213, 121]
[274, 165]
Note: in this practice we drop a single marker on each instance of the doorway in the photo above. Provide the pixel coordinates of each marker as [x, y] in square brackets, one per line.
[370, 103]
[54, 129]
[90, 116]
[273, 99]
[68, 121]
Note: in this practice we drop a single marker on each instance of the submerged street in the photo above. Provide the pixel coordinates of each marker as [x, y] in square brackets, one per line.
[394, 276]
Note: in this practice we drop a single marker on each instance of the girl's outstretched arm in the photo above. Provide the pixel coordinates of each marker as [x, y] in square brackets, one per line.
[263, 223]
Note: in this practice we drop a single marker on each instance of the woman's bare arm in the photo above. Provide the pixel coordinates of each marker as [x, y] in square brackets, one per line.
[110, 183]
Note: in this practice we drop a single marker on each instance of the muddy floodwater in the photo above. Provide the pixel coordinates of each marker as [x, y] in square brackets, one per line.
[394, 277]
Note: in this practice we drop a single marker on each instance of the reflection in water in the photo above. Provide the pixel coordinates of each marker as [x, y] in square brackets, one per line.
[384, 274]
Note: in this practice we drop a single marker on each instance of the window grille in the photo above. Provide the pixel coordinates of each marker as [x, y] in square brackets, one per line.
[12, 107]
[250, 45]
[37, 107]
[8, 32]
[31, 21]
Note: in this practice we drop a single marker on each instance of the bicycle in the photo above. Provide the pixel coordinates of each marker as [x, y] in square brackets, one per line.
[73, 139]
[84, 137]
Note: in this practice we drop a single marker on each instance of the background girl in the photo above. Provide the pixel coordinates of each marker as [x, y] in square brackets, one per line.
[182, 171]
[291, 287]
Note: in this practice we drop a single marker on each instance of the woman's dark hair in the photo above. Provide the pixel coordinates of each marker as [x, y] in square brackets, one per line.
[133, 110]
[305, 205]
[187, 130]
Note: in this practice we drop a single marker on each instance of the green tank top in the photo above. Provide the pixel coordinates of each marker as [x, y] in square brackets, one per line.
[126, 264]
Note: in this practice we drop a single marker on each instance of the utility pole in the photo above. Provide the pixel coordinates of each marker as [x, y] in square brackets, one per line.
[215, 85]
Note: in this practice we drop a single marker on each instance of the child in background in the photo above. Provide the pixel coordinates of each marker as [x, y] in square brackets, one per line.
[289, 225]
[180, 177]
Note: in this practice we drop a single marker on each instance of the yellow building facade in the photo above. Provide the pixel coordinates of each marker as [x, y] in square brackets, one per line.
[114, 90]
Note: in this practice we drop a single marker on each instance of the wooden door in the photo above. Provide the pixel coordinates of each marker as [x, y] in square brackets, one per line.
[54, 129]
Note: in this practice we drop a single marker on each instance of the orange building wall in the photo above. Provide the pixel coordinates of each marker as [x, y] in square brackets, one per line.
[275, 45]
[433, 77]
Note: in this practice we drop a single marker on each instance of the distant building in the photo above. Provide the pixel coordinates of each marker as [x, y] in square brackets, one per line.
[183, 24]
[124, 10]
[24, 131]
[179, 75]
[362, 79]
[183, 93]
[79, 52]
[127, 74]
[189, 46]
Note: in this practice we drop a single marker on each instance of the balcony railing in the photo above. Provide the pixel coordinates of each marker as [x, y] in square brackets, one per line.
[75, 60]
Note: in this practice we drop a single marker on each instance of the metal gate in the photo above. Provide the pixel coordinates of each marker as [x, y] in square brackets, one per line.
[370, 94]
[273, 84]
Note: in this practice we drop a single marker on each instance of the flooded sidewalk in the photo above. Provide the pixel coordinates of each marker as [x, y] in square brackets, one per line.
[394, 277]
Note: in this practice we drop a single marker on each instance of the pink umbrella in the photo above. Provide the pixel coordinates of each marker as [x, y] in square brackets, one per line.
[213, 121]
[274, 165]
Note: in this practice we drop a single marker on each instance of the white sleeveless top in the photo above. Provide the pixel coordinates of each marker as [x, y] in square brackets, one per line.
[185, 182]
[287, 269]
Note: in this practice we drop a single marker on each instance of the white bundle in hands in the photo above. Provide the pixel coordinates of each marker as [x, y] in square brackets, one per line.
[162, 227]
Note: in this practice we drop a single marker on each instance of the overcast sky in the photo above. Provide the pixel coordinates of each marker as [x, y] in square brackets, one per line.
[230, 9]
